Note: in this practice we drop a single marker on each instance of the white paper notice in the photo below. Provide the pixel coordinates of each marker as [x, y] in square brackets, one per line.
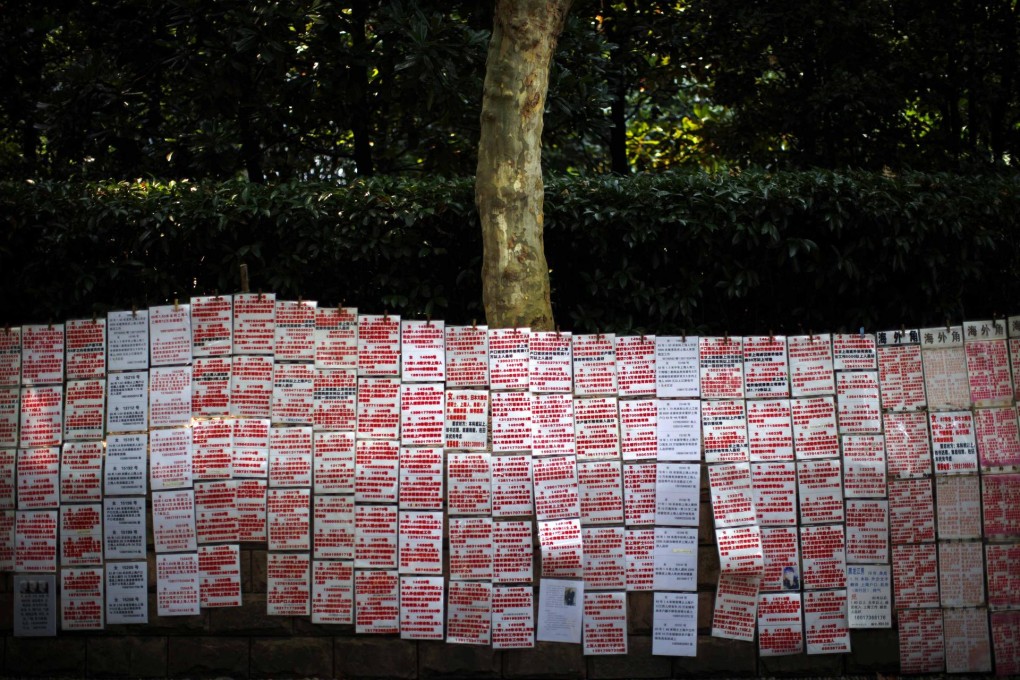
[170, 335]
[423, 351]
[998, 438]
[469, 613]
[128, 340]
[377, 602]
[177, 585]
[825, 622]
[740, 551]
[901, 375]
[254, 323]
[421, 607]
[678, 494]
[378, 345]
[915, 576]
[765, 367]
[467, 420]
[724, 430]
[639, 436]
[869, 594]
[170, 396]
[968, 646]
[560, 611]
[640, 547]
[961, 574]
[379, 408]
[922, 643]
[38, 478]
[512, 487]
[216, 516]
[782, 559]
[679, 430]
[639, 493]
[332, 592]
[250, 456]
[864, 466]
[594, 364]
[468, 484]
[289, 584]
[600, 490]
[820, 487]
[375, 537]
[987, 363]
[775, 493]
[81, 599]
[556, 493]
[780, 624]
[562, 548]
[290, 457]
[293, 394]
[127, 402]
[605, 623]
[124, 528]
[513, 617]
[635, 365]
[959, 507]
[908, 448]
[675, 624]
[811, 365]
[945, 368]
[677, 367]
[127, 593]
[867, 531]
[295, 330]
[722, 367]
[552, 424]
[467, 356]
[219, 573]
[509, 356]
[212, 325]
[676, 558]
[336, 340]
[173, 520]
[251, 510]
[911, 511]
[736, 606]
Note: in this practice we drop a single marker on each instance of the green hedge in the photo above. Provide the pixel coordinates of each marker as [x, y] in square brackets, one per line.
[747, 253]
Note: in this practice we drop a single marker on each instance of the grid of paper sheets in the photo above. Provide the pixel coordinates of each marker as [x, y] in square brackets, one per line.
[502, 486]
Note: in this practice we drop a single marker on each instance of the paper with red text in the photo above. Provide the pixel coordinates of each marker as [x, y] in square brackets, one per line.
[552, 424]
[10, 412]
[635, 366]
[422, 351]
[288, 585]
[724, 430]
[251, 510]
[250, 456]
[766, 373]
[600, 491]
[333, 462]
[170, 459]
[640, 547]
[1006, 642]
[968, 644]
[81, 534]
[820, 489]
[781, 559]
[826, 625]
[732, 495]
[907, 445]
[556, 493]
[35, 541]
[332, 592]
[998, 439]
[42, 354]
[294, 330]
[212, 328]
[254, 323]
[605, 623]
[780, 624]
[81, 599]
[639, 429]
[901, 374]
[421, 607]
[959, 507]
[467, 356]
[169, 335]
[854, 352]
[987, 363]
[1000, 498]
[333, 527]
[376, 471]
[911, 511]
[212, 444]
[81, 472]
[469, 613]
[1003, 578]
[823, 555]
[509, 356]
[770, 430]
[550, 362]
[378, 345]
[170, 396]
[915, 575]
[10, 357]
[41, 416]
[922, 643]
[421, 543]
[511, 421]
[596, 427]
[961, 574]
[379, 408]
[858, 403]
[736, 606]
[422, 414]
[219, 574]
[512, 494]
[38, 478]
[954, 447]
[639, 493]
[293, 394]
[375, 537]
[594, 364]
[288, 519]
[421, 479]
[864, 466]
[173, 520]
[721, 363]
[867, 531]
[814, 428]
[336, 339]
[811, 365]
[562, 548]
[85, 344]
[377, 602]
[177, 585]
[774, 488]
[210, 387]
[740, 551]
[471, 548]
[216, 516]
[513, 617]
[945, 368]
[605, 558]
[512, 552]
[251, 386]
[468, 484]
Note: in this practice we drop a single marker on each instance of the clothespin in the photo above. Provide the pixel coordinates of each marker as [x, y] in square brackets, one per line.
[726, 337]
[474, 324]
[260, 294]
[428, 320]
[683, 335]
[860, 331]
[176, 305]
[134, 311]
[772, 336]
[95, 319]
[558, 334]
[386, 315]
[811, 335]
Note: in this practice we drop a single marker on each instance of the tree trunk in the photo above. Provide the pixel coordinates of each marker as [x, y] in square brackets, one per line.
[509, 192]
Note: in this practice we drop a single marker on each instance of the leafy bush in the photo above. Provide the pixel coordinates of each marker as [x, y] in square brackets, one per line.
[664, 253]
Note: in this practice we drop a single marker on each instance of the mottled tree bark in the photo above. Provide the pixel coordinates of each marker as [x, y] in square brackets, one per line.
[508, 185]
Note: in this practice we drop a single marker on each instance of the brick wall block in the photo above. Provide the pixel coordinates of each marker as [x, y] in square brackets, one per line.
[441, 660]
[62, 656]
[297, 657]
[249, 619]
[127, 657]
[637, 663]
[718, 657]
[206, 657]
[375, 657]
[547, 660]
